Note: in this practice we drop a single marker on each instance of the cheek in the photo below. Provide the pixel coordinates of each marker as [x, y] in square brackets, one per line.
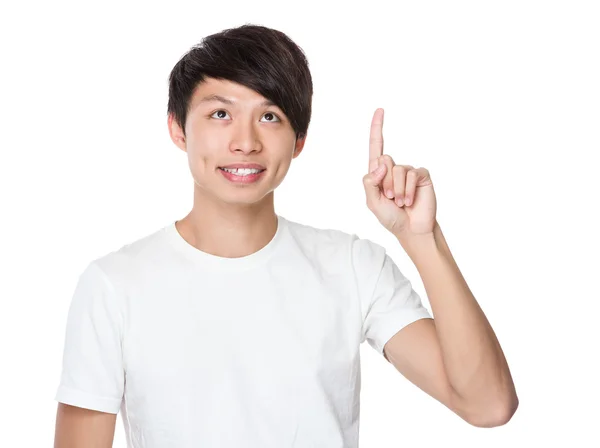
[200, 164]
[282, 168]
[203, 154]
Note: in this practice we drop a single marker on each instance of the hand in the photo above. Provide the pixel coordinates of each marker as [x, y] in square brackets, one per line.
[411, 207]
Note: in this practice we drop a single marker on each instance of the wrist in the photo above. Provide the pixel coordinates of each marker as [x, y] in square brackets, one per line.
[414, 243]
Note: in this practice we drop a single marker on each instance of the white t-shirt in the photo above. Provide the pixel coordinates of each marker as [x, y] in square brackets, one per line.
[261, 351]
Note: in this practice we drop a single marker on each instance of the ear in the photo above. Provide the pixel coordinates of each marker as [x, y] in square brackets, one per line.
[299, 146]
[176, 133]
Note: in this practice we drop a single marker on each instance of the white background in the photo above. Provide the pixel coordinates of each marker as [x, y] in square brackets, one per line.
[500, 101]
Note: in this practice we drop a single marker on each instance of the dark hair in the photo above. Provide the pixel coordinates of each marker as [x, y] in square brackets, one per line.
[260, 58]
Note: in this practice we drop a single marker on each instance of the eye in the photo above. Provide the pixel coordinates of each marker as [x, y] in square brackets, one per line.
[272, 115]
[220, 110]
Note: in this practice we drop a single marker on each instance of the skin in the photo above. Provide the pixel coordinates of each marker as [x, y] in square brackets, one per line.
[83, 428]
[400, 196]
[455, 358]
[231, 220]
[227, 219]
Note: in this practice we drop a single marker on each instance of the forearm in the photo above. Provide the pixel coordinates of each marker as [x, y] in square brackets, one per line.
[474, 361]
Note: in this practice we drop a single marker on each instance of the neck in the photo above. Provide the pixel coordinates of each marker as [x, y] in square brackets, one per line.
[229, 230]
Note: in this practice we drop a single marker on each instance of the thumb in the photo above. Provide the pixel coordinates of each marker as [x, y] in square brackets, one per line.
[373, 180]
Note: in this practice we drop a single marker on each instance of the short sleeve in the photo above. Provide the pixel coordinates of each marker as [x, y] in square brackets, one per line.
[92, 369]
[388, 300]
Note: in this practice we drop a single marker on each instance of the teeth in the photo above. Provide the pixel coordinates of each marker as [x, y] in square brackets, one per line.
[242, 171]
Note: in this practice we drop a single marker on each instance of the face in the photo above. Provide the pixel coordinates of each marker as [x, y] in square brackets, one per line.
[240, 130]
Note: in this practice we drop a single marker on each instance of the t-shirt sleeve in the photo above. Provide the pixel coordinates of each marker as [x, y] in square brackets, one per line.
[92, 369]
[388, 300]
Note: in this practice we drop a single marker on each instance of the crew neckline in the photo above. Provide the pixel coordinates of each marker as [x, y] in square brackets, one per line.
[207, 260]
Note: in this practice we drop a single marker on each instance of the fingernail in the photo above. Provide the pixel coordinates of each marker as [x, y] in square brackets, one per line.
[399, 202]
[389, 194]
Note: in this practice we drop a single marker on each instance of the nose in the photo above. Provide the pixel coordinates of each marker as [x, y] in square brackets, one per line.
[245, 138]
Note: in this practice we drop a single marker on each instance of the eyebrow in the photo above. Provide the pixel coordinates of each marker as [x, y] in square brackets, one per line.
[222, 99]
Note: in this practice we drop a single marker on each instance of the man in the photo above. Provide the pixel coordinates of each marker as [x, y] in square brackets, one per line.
[235, 327]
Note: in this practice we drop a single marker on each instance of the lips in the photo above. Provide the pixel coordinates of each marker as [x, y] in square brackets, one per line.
[255, 166]
[242, 179]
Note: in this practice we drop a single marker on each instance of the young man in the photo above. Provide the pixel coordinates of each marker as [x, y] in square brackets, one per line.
[235, 327]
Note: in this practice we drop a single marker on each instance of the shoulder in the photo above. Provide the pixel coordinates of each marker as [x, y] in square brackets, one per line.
[130, 260]
[316, 234]
[323, 240]
[359, 251]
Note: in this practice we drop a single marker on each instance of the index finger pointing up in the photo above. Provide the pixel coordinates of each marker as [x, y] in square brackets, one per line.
[376, 138]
